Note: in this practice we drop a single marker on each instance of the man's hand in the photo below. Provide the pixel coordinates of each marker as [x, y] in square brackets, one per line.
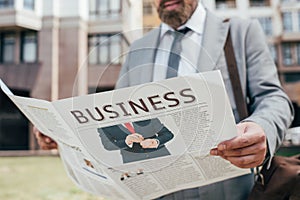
[247, 150]
[136, 137]
[45, 142]
[149, 143]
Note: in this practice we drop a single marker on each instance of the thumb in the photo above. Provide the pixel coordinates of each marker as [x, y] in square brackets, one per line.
[241, 128]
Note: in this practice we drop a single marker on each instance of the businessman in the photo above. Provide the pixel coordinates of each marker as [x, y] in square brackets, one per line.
[137, 141]
[164, 53]
[190, 40]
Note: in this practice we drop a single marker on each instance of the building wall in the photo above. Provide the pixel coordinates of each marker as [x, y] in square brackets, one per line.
[62, 68]
[150, 16]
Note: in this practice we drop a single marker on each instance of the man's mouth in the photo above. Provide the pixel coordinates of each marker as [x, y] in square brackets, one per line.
[171, 5]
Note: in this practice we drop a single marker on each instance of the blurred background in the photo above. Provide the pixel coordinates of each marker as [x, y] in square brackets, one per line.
[53, 49]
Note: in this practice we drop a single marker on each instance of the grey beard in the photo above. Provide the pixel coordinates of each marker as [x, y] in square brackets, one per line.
[175, 18]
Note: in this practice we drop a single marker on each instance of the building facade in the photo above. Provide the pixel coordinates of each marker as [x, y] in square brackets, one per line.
[53, 49]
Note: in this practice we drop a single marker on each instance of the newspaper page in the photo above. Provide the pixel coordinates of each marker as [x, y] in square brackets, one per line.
[142, 142]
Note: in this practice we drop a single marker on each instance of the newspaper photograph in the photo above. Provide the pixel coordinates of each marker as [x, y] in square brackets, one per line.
[140, 142]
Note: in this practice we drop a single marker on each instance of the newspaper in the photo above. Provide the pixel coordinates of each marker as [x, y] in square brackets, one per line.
[140, 142]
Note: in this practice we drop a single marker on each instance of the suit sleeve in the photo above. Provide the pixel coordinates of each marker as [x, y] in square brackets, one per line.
[110, 141]
[269, 106]
[163, 134]
[123, 79]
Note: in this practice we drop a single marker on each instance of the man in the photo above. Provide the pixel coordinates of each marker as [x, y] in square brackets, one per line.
[137, 141]
[261, 133]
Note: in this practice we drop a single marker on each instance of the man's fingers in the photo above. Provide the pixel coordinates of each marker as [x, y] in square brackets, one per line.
[248, 161]
[149, 143]
[138, 136]
[249, 133]
[46, 145]
[252, 149]
[246, 150]
[45, 142]
[146, 143]
[241, 141]
[236, 143]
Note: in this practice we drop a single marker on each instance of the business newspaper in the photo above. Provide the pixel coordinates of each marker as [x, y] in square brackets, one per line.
[140, 142]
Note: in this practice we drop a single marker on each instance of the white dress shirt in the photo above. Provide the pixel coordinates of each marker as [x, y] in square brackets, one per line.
[191, 45]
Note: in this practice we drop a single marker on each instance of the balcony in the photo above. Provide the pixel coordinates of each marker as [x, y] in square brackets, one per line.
[19, 13]
[225, 4]
[289, 2]
[260, 3]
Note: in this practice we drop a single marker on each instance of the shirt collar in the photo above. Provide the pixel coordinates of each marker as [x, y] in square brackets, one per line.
[195, 23]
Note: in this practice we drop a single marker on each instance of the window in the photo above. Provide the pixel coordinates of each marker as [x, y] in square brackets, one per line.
[8, 41]
[105, 8]
[266, 23]
[287, 54]
[12, 41]
[6, 3]
[115, 49]
[259, 3]
[147, 8]
[287, 21]
[289, 1]
[292, 77]
[93, 90]
[298, 52]
[224, 4]
[291, 53]
[29, 4]
[105, 49]
[28, 46]
[298, 20]
[14, 126]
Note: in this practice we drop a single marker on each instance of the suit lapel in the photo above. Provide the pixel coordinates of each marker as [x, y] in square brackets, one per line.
[213, 41]
[123, 129]
[151, 47]
[214, 37]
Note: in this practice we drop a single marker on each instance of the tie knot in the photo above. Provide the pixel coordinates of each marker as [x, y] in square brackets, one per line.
[179, 34]
[184, 30]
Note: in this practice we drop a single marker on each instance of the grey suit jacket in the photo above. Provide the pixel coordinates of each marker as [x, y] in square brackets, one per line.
[268, 105]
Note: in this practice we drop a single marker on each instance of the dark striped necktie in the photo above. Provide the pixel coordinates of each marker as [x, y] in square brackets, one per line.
[176, 49]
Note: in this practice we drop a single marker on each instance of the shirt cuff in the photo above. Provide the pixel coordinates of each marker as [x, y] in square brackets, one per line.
[157, 143]
[129, 145]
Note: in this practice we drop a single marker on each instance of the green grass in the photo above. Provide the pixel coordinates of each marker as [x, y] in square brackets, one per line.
[37, 178]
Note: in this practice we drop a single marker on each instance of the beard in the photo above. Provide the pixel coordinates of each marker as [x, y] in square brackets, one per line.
[175, 18]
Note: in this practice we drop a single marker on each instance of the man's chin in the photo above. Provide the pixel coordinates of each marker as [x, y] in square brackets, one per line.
[172, 19]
